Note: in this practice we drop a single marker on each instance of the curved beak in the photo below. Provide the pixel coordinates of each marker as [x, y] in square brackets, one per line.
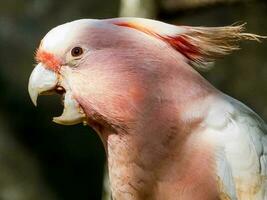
[44, 81]
[41, 80]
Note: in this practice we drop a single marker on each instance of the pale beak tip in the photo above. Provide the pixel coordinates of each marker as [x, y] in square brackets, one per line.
[56, 120]
[33, 96]
[61, 121]
[34, 103]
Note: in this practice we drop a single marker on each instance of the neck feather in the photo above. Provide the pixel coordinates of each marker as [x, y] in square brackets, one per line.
[165, 154]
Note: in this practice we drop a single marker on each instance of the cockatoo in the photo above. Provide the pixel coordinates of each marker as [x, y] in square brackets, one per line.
[168, 133]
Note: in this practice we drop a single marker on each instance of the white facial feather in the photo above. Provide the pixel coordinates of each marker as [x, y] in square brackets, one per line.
[63, 37]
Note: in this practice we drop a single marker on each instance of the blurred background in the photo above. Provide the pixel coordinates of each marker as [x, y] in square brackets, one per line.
[40, 160]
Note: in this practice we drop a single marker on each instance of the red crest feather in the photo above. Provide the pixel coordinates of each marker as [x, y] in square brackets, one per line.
[201, 45]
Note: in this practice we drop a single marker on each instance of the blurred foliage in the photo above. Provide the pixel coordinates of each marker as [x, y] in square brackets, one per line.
[138, 8]
[39, 157]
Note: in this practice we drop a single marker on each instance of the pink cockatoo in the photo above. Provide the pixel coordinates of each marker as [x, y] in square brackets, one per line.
[168, 133]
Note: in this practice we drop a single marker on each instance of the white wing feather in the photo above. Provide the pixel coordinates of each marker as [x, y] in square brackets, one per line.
[241, 141]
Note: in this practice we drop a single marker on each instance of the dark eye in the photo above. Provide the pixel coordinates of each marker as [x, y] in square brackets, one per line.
[76, 51]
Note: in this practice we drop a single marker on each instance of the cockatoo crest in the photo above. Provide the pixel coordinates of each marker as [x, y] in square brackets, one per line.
[201, 45]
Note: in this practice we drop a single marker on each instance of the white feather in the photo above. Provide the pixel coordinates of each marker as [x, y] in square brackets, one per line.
[241, 139]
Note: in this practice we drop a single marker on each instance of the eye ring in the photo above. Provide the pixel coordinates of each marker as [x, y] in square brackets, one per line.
[76, 51]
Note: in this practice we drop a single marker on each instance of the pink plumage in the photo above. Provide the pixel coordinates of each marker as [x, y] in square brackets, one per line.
[168, 133]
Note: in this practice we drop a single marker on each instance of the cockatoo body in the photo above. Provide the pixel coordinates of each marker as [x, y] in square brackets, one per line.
[167, 132]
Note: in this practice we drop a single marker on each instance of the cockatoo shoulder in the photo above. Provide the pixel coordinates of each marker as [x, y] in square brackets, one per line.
[240, 136]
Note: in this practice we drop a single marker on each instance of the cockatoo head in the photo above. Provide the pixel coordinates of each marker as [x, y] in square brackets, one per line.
[103, 70]
[113, 72]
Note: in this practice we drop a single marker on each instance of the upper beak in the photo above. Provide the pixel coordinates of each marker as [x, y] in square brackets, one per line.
[41, 80]
[45, 81]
